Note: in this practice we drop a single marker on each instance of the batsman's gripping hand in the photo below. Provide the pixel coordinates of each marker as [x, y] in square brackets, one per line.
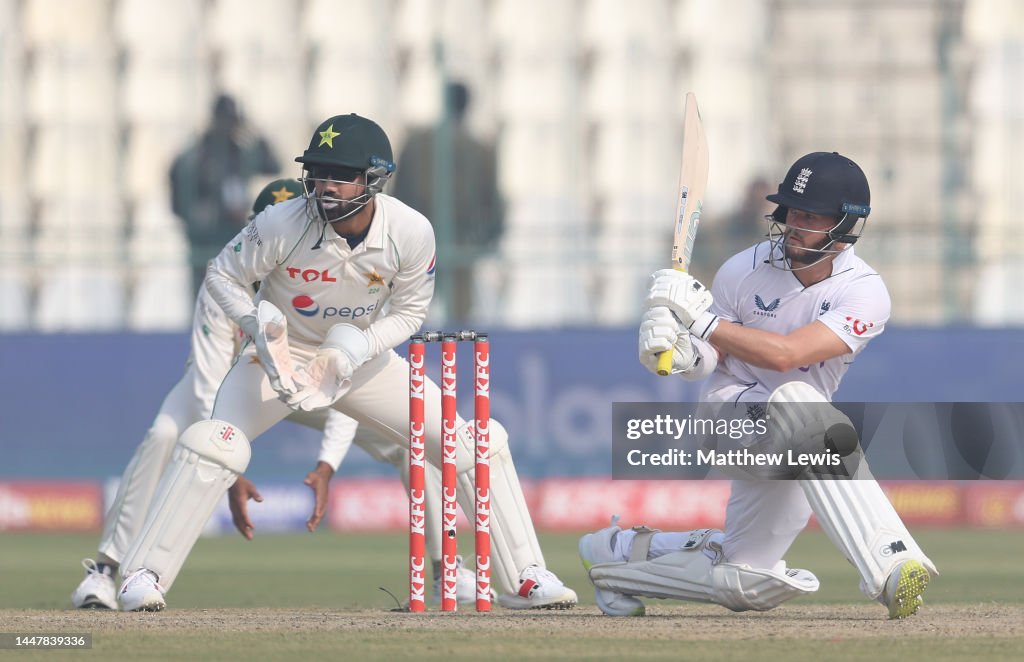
[268, 329]
[660, 331]
[685, 296]
[329, 374]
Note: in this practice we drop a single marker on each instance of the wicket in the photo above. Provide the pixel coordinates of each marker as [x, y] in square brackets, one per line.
[449, 443]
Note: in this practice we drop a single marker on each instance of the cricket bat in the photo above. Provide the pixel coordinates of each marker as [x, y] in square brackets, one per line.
[693, 179]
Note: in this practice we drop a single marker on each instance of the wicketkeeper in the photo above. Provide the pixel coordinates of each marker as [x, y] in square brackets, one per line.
[214, 343]
[346, 274]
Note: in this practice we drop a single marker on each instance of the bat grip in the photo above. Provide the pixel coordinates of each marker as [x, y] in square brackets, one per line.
[665, 358]
[665, 363]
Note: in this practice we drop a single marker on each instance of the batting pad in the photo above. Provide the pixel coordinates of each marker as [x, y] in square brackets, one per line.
[209, 457]
[690, 574]
[860, 521]
[514, 543]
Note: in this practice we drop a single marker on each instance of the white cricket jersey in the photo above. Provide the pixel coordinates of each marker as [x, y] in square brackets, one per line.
[853, 303]
[318, 284]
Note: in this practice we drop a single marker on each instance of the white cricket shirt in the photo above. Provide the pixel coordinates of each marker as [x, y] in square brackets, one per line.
[318, 284]
[853, 303]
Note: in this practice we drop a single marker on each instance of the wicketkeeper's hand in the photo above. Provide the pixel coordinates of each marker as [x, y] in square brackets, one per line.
[685, 296]
[329, 374]
[268, 329]
[238, 501]
[660, 331]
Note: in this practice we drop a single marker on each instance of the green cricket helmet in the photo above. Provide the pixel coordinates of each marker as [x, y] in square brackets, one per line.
[277, 191]
[342, 149]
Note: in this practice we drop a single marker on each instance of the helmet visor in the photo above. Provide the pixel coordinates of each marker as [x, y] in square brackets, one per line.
[795, 247]
[335, 193]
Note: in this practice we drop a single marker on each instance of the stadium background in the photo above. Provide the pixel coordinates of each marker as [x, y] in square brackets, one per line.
[97, 96]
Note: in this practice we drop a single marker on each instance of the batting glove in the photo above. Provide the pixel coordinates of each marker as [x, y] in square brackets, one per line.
[660, 331]
[685, 296]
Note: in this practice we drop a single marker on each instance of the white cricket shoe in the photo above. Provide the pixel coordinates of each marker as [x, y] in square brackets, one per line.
[142, 592]
[465, 586]
[596, 548]
[97, 590]
[904, 588]
[539, 588]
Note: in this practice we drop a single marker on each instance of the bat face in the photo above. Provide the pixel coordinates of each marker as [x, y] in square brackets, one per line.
[687, 220]
[693, 180]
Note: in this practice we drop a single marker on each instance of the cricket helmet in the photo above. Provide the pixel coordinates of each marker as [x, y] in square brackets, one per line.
[826, 183]
[277, 191]
[342, 148]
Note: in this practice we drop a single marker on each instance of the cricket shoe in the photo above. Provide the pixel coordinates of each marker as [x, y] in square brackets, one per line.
[539, 588]
[465, 586]
[142, 592]
[598, 548]
[904, 588]
[97, 590]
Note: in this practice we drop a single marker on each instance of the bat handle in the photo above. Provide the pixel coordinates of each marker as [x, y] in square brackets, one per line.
[665, 363]
[665, 358]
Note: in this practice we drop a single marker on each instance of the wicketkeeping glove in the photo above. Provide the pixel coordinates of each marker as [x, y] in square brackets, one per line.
[329, 374]
[685, 296]
[268, 329]
[660, 331]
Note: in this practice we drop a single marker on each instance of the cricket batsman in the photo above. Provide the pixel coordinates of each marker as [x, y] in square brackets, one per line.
[782, 324]
[346, 274]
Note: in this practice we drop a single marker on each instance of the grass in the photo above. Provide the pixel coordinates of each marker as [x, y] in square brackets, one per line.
[339, 572]
[291, 596]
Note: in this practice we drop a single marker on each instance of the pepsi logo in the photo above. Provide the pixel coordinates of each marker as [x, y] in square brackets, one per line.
[305, 305]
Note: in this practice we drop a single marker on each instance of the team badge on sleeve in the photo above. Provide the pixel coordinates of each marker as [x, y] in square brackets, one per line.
[856, 326]
[432, 267]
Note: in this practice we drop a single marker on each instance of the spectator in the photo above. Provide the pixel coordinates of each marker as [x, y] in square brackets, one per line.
[209, 182]
[461, 197]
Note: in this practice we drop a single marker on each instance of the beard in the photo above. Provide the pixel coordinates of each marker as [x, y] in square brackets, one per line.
[807, 254]
[336, 209]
